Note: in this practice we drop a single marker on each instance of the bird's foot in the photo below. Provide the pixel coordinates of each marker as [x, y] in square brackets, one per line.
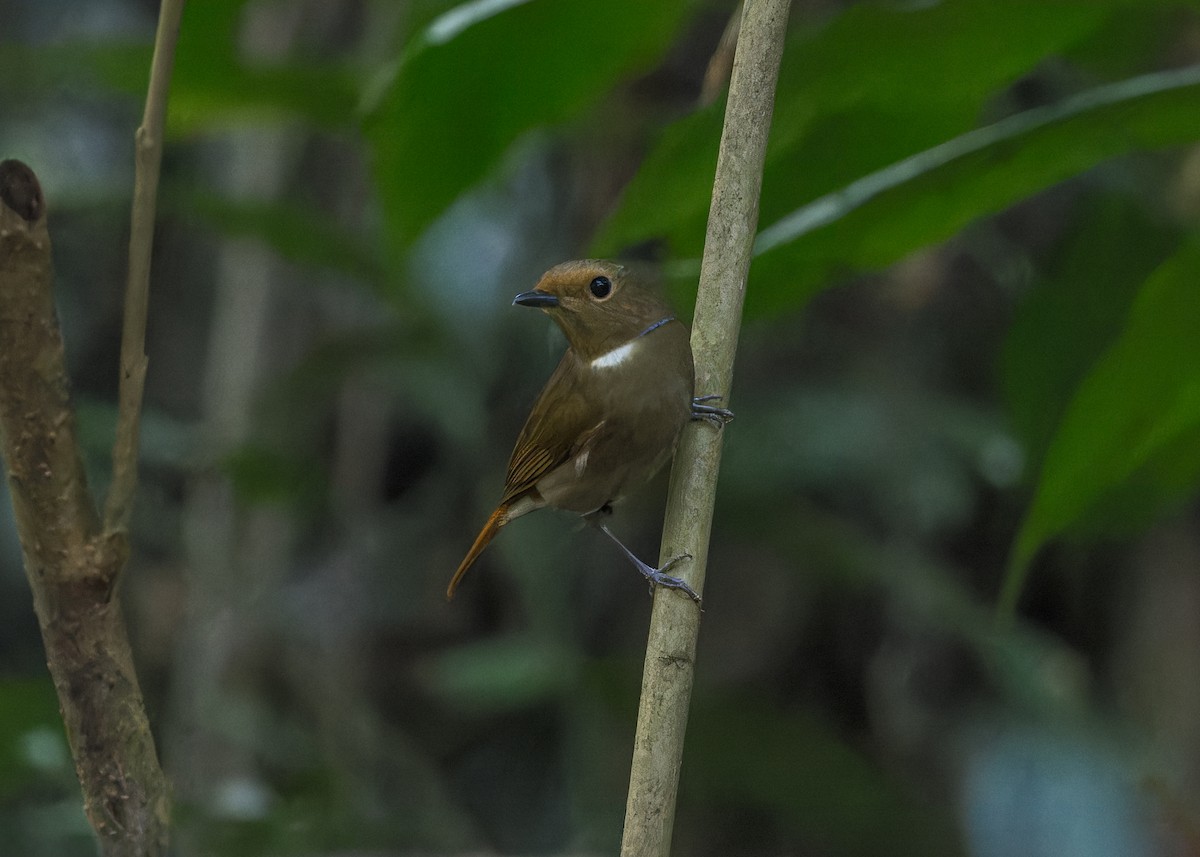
[659, 577]
[655, 576]
[718, 417]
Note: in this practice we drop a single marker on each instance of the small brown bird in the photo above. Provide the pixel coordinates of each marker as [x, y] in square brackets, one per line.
[610, 415]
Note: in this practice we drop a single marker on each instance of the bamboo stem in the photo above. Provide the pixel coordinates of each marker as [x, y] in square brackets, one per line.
[675, 622]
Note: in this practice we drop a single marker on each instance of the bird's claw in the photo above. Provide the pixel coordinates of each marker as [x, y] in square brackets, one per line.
[659, 577]
[718, 417]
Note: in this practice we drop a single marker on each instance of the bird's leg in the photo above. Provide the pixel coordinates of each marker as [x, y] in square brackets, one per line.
[656, 576]
[717, 416]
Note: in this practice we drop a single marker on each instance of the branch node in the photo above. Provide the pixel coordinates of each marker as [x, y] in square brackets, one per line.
[21, 191]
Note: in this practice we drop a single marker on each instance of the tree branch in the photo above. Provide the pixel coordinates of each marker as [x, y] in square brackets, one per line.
[675, 622]
[71, 561]
[71, 565]
[148, 159]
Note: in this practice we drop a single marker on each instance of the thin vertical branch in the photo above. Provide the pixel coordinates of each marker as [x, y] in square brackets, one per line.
[675, 622]
[148, 159]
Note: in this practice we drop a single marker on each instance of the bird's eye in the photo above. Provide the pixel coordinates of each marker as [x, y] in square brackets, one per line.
[601, 287]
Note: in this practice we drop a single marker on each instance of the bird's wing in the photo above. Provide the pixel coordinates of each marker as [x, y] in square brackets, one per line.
[563, 421]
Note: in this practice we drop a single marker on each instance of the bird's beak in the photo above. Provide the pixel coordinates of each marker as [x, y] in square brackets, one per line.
[535, 298]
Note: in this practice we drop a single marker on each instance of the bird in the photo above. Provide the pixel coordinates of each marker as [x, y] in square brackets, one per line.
[610, 415]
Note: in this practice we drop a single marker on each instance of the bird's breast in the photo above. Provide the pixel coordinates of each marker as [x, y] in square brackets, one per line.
[639, 393]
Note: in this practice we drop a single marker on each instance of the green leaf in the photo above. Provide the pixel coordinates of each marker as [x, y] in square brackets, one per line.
[881, 83]
[928, 197]
[467, 87]
[878, 83]
[1129, 441]
[1076, 312]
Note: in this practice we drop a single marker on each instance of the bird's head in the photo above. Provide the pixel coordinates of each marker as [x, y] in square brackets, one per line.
[599, 305]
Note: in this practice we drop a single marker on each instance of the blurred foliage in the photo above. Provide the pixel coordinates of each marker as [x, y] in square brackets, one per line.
[471, 82]
[297, 233]
[1145, 451]
[970, 367]
[869, 140]
[30, 737]
[841, 802]
[35, 762]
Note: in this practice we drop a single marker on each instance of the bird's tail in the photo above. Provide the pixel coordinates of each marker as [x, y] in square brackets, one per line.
[498, 519]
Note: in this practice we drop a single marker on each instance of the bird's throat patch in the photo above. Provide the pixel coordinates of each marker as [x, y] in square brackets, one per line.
[614, 358]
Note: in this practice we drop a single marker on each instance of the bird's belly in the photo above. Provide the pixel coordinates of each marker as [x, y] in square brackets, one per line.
[615, 464]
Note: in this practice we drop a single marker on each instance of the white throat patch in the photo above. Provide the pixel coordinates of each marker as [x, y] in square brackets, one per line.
[614, 358]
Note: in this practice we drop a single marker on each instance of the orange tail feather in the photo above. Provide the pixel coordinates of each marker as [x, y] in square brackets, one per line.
[493, 525]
